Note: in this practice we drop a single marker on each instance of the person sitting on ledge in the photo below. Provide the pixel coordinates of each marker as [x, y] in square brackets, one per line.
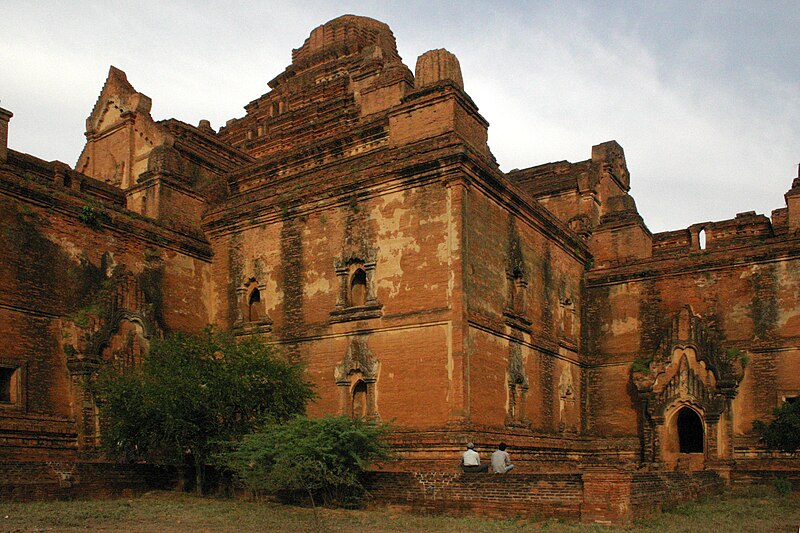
[471, 461]
[501, 462]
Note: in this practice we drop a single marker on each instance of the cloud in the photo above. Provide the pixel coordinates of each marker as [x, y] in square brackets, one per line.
[704, 98]
[699, 148]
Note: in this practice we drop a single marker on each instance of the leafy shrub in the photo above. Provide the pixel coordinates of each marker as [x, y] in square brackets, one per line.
[94, 218]
[192, 393]
[783, 433]
[319, 459]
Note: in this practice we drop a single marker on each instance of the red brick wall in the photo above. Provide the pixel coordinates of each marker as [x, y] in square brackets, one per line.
[748, 299]
[534, 495]
[652, 491]
[412, 228]
[22, 481]
[549, 344]
[54, 265]
[765, 470]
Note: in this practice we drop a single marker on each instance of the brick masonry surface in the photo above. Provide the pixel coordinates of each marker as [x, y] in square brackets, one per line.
[599, 495]
[34, 480]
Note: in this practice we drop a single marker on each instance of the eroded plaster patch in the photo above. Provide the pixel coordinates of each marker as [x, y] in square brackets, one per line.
[390, 217]
[315, 283]
[626, 325]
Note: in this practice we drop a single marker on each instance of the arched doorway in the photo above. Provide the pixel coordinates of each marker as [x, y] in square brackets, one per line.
[690, 431]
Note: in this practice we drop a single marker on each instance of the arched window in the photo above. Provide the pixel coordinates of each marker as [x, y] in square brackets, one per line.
[251, 311]
[359, 400]
[690, 431]
[701, 239]
[567, 317]
[518, 294]
[8, 385]
[517, 289]
[356, 299]
[358, 288]
[255, 307]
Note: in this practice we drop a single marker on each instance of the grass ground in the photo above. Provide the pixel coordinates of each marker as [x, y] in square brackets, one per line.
[758, 509]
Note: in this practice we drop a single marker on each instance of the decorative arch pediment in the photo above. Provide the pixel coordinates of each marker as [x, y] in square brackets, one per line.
[688, 334]
[686, 379]
[516, 262]
[121, 300]
[356, 377]
[357, 255]
[357, 244]
[109, 114]
[103, 336]
[517, 387]
[355, 266]
[117, 97]
[120, 133]
[359, 358]
[114, 329]
[517, 281]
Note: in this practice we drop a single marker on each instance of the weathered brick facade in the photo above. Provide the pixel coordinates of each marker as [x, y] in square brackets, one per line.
[356, 216]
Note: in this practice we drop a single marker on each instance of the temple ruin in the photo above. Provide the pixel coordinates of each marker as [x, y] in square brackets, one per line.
[356, 217]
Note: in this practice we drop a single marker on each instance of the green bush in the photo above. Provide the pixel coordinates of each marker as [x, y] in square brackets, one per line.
[783, 433]
[94, 218]
[193, 393]
[321, 460]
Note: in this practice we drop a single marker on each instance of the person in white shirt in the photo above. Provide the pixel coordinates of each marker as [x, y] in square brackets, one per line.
[471, 461]
[501, 462]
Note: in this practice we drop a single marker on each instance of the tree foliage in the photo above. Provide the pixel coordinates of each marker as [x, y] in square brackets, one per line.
[192, 393]
[783, 433]
[322, 459]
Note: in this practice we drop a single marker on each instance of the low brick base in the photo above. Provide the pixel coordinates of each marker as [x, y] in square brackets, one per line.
[765, 470]
[40, 480]
[530, 495]
[600, 494]
[652, 491]
[596, 494]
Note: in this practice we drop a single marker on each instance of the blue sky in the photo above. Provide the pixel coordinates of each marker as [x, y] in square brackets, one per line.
[704, 97]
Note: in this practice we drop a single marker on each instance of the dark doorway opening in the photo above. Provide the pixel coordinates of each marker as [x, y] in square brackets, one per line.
[6, 382]
[690, 431]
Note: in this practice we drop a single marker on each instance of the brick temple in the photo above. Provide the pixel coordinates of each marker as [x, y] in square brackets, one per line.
[356, 217]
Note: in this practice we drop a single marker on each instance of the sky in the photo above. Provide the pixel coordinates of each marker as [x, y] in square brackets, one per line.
[704, 97]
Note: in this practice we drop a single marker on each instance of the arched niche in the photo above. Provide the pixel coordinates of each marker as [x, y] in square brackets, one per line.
[356, 377]
[358, 399]
[251, 312]
[357, 290]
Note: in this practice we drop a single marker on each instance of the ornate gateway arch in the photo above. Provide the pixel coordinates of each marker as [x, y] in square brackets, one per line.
[685, 392]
